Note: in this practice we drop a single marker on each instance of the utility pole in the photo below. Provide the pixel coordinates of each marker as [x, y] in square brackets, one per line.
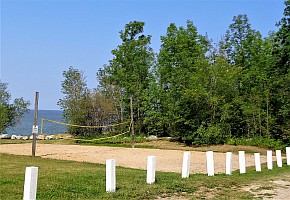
[132, 121]
[35, 127]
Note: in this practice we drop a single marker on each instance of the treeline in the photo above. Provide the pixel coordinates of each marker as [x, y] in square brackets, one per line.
[192, 89]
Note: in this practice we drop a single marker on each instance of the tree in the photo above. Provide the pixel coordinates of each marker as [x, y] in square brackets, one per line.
[282, 44]
[127, 73]
[181, 56]
[10, 114]
[280, 77]
[246, 49]
[75, 89]
[84, 107]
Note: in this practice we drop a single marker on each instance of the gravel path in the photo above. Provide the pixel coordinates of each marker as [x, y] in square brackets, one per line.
[167, 160]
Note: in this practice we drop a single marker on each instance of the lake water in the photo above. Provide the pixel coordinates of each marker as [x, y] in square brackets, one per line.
[26, 123]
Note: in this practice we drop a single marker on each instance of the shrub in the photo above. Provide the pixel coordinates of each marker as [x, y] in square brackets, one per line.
[258, 141]
[205, 135]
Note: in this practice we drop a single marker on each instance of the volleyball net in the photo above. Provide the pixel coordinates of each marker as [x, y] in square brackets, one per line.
[103, 132]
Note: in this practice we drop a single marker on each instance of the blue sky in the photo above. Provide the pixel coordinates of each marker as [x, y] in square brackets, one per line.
[41, 38]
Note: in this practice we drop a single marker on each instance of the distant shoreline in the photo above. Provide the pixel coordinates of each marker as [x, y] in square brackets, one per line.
[26, 123]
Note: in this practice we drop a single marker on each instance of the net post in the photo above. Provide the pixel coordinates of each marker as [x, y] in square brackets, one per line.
[132, 121]
[42, 125]
[35, 123]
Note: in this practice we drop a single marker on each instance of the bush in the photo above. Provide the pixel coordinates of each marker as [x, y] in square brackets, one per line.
[205, 135]
[258, 141]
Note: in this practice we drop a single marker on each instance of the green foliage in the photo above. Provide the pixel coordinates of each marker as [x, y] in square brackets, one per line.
[181, 57]
[10, 114]
[84, 107]
[280, 81]
[207, 135]
[258, 141]
[127, 74]
[199, 92]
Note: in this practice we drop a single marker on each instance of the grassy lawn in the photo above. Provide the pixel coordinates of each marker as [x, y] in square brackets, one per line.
[74, 180]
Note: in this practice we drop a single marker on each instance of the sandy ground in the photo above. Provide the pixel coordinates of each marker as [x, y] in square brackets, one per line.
[167, 160]
[274, 190]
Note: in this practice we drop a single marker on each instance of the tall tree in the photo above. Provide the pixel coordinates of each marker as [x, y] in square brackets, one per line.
[76, 93]
[127, 73]
[181, 55]
[280, 78]
[246, 50]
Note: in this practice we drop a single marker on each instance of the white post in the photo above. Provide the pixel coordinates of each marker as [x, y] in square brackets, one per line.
[242, 162]
[269, 159]
[288, 155]
[257, 162]
[185, 165]
[229, 157]
[30, 183]
[210, 163]
[279, 158]
[110, 175]
[151, 169]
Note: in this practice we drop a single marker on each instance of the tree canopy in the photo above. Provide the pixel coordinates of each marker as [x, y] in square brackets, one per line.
[192, 89]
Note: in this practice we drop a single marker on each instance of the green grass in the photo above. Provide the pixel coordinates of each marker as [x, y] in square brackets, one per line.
[75, 180]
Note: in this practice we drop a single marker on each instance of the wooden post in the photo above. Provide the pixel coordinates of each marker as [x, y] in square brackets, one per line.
[132, 121]
[35, 128]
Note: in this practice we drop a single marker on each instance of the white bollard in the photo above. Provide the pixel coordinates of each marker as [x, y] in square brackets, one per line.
[279, 158]
[110, 175]
[151, 169]
[185, 165]
[210, 163]
[257, 162]
[30, 183]
[229, 157]
[288, 155]
[242, 162]
[269, 159]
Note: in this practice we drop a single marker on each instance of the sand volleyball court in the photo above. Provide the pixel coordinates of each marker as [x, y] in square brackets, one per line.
[167, 160]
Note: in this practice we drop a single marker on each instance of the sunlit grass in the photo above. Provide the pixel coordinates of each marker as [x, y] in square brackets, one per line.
[75, 180]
